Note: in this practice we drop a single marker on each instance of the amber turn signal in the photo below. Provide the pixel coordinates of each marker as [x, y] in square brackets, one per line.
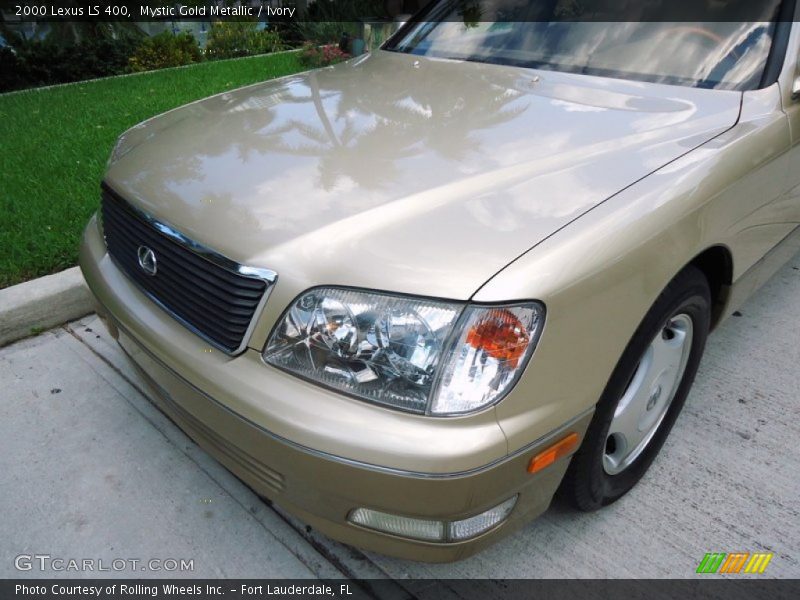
[547, 457]
[501, 335]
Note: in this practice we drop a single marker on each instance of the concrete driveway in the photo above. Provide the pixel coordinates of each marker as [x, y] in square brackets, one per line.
[90, 469]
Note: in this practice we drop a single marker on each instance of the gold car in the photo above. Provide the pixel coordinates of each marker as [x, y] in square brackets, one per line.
[411, 296]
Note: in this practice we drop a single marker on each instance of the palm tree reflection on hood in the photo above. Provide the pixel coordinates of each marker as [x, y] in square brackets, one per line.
[411, 107]
[367, 132]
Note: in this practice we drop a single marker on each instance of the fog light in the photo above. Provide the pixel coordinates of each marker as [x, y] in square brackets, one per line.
[474, 526]
[430, 530]
[418, 529]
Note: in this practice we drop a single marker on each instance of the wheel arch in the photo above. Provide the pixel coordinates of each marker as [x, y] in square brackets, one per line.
[716, 263]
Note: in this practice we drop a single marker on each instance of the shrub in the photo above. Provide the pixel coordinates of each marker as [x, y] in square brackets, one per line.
[11, 76]
[229, 39]
[165, 50]
[34, 63]
[97, 58]
[288, 33]
[326, 20]
[326, 32]
[314, 56]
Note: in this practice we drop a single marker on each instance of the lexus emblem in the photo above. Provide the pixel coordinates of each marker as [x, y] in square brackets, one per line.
[147, 260]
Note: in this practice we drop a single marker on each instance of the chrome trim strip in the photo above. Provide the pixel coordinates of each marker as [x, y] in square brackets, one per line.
[326, 455]
[267, 275]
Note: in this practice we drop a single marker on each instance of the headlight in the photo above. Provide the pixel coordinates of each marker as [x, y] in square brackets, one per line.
[491, 348]
[425, 356]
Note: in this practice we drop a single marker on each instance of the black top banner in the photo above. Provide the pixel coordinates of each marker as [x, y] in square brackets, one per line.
[473, 11]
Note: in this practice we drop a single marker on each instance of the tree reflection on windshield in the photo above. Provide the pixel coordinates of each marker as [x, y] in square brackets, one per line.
[719, 53]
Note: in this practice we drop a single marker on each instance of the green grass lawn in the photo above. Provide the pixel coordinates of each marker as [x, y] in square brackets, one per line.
[54, 144]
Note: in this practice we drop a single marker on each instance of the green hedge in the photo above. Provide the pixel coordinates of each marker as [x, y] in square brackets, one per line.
[165, 50]
[36, 63]
[232, 39]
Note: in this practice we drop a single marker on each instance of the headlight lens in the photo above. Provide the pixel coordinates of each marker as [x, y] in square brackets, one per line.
[410, 353]
[490, 353]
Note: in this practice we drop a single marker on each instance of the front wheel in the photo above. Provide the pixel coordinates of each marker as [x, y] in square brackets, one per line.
[644, 395]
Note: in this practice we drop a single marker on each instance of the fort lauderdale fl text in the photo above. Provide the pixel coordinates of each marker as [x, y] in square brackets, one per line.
[164, 12]
[207, 590]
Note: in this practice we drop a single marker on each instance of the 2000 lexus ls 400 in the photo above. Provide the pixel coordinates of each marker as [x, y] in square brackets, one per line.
[411, 296]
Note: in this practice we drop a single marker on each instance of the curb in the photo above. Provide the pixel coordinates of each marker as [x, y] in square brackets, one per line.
[32, 306]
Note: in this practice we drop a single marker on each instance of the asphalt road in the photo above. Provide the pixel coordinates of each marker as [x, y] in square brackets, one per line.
[90, 469]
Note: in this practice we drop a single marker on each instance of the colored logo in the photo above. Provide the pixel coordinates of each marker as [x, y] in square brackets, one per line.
[736, 562]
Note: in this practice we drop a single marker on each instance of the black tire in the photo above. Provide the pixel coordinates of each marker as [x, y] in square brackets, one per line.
[586, 485]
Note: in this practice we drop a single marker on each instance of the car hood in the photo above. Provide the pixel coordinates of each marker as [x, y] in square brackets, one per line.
[405, 173]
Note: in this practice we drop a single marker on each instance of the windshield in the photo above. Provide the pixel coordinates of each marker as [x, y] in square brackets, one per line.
[568, 35]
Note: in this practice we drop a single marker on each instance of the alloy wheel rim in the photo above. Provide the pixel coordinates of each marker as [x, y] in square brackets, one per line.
[645, 402]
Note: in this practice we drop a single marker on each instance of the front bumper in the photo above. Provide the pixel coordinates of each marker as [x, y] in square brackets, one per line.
[318, 454]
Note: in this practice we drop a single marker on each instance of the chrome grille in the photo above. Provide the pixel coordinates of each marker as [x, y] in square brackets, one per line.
[211, 295]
